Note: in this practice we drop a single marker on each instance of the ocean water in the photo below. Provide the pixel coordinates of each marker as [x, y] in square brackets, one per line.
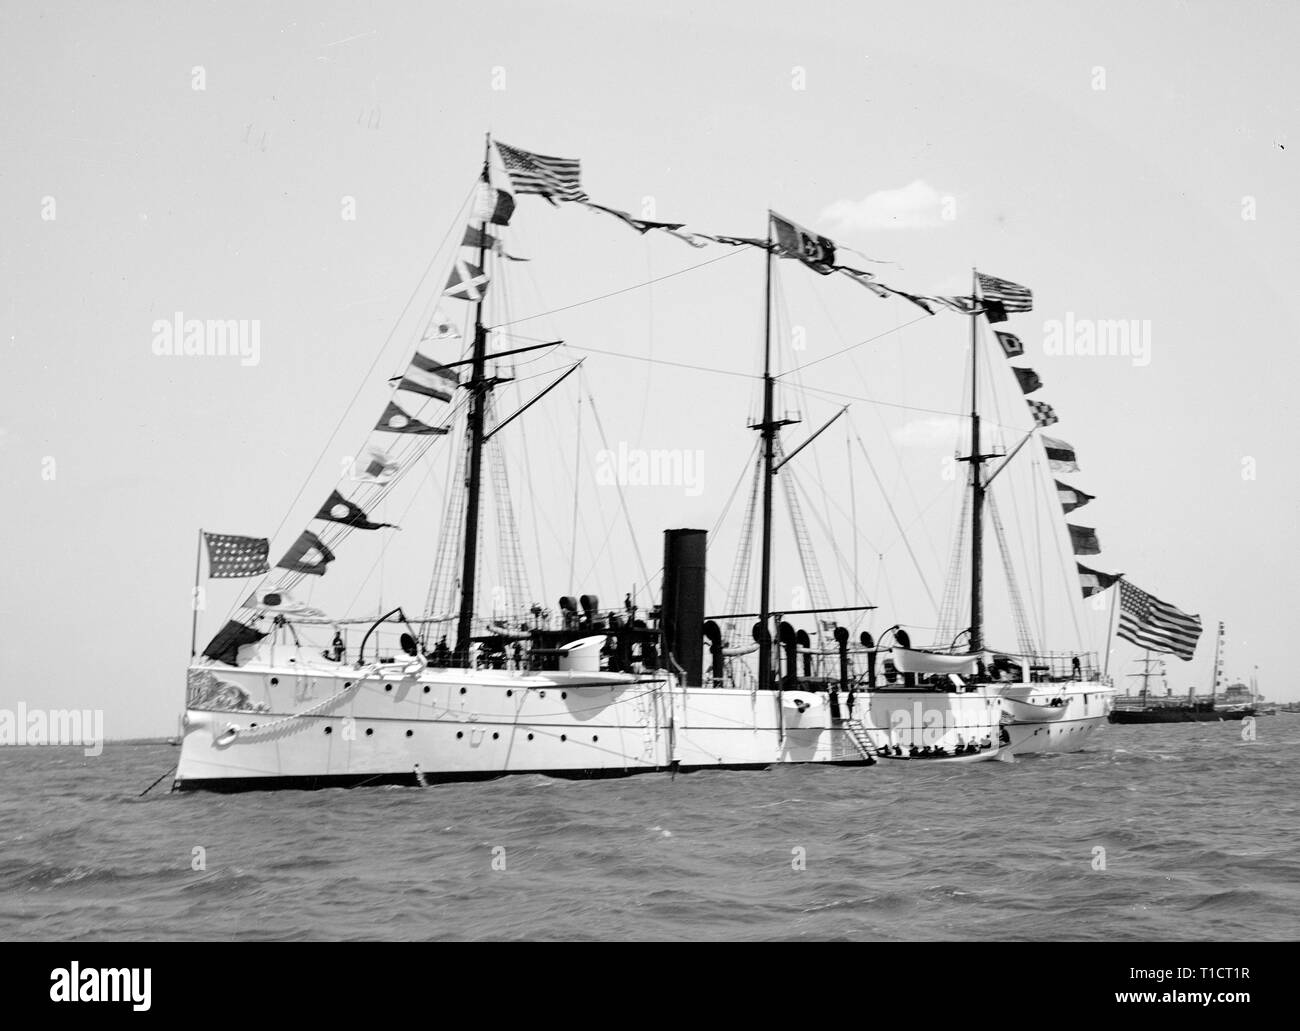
[1197, 826]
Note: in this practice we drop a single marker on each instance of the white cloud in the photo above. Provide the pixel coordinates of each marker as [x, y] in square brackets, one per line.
[932, 432]
[918, 205]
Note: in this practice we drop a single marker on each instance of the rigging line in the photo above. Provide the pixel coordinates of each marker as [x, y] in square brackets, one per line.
[615, 293]
[537, 530]
[663, 361]
[744, 475]
[835, 549]
[577, 483]
[882, 404]
[622, 499]
[845, 350]
[897, 523]
[365, 378]
[650, 338]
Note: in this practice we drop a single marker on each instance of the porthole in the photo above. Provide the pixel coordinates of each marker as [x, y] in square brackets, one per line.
[564, 737]
[564, 694]
[509, 693]
[329, 730]
[251, 726]
[426, 688]
[388, 687]
[541, 694]
[347, 684]
[409, 733]
[369, 731]
[495, 735]
[462, 690]
[274, 681]
[595, 737]
[459, 734]
[530, 737]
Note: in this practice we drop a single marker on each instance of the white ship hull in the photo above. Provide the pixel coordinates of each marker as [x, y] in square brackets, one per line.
[1036, 725]
[293, 725]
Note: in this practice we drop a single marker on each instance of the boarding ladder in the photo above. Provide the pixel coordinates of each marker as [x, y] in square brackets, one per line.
[861, 741]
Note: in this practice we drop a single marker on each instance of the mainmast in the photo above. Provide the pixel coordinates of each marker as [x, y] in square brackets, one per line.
[479, 387]
[768, 430]
[977, 483]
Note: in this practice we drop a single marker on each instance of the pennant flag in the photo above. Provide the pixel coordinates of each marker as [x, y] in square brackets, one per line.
[1060, 456]
[308, 555]
[1084, 540]
[476, 236]
[1011, 345]
[279, 600]
[374, 466]
[1094, 582]
[641, 225]
[921, 302]
[961, 305]
[339, 510]
[538, 173]
[1011, 296]
[394, 420]
[1148, 622]
[1028, 379]
[440, 327]
[467, 282]
[230, 556]
[696, 240]
[1071, 497]
[427, 377]
[493, 205]
[1043, 413]
[794, 241]
[735, 241]
[230, 638]
[865, 279]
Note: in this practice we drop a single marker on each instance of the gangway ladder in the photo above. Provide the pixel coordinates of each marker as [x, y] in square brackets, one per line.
[861, 741]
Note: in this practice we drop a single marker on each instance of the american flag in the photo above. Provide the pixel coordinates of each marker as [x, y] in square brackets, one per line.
[230, 556]
[1150, 623]
[553, 178]
[1044, 414]
[1012, 296]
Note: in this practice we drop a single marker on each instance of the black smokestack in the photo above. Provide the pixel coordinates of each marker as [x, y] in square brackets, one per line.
[682, 619]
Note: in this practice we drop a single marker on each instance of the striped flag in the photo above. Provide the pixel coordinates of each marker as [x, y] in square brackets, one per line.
[427, 377]
[1011, 296]
[1150, 623]
[1071, 497]
[1043, 413]
[553, 178]
[1060, 455]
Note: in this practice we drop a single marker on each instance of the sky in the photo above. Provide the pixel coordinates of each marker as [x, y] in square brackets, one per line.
[1126, 162]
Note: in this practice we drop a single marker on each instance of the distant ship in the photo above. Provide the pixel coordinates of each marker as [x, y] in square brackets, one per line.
[1167, 709]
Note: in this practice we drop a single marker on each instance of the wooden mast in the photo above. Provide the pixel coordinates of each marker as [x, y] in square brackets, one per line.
[977, 483]
[768, 430]
[479, 387]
